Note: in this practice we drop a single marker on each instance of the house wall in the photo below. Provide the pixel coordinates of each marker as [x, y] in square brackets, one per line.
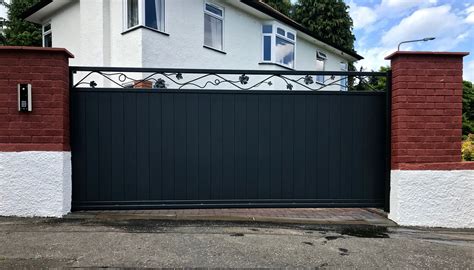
[100, 41]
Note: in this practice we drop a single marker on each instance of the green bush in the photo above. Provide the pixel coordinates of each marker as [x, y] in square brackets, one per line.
[468, 148]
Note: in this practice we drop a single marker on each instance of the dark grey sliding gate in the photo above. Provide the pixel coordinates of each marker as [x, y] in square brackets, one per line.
[156, 147]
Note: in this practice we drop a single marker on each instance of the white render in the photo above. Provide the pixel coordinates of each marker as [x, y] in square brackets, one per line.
[93, 30]
[432, 198]
[35, 184]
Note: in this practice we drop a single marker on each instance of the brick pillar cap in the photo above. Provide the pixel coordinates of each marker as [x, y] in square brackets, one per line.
[425, 53]
[36, 49]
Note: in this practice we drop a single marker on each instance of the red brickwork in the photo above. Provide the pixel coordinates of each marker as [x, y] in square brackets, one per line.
[426, 107]
[46, 128]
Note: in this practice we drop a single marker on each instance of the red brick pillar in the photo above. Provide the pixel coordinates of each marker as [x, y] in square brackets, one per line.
[35, 158]
[429, 185]
[426, 107]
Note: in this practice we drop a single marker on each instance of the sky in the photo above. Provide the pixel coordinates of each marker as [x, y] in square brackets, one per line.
[379, 25]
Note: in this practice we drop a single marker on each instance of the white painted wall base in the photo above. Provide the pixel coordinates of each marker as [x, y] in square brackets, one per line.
[432, 198]
[35, 184]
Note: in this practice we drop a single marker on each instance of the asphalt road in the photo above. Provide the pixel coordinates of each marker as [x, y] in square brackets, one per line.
[45, 243]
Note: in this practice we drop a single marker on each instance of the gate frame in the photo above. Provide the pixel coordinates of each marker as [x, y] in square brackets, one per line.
[388, 94]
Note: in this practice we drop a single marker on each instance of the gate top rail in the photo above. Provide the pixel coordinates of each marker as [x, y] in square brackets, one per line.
[225, 79]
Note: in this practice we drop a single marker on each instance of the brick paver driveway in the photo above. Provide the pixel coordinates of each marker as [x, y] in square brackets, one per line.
[363, 216]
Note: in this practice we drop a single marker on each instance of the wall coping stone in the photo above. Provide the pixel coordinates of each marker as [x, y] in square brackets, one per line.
[425, 53]
[36, 49]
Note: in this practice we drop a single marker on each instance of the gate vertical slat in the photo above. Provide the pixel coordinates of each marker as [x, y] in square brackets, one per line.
[323, 146]
[335, 147]
[143, 146]
[287, 147]
[192, 147]
[156, 139]
[117, 146]
[228, 146]
[252, 147]
[240, 146]
[263, 147]
[105, 151]
[204, 147]
[276, 104]
[92, 147]
[216, 184]
[168, 123]
[130, 168]
[180, 166]
[299, 151]
[346, 141]
[311, 147]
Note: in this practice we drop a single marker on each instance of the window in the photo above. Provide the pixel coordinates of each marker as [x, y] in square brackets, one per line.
[154, 14]
[214, 27]
[344, 80]
[132, 13]
[278, 45]
[320, 65]
[148, 13]
[47, 35]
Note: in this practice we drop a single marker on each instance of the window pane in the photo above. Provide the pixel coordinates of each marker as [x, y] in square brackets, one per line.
[154, 14]
[48, 40]
[132, 13]
[320, 65]
[212, 32]
[281, 31]
[214, 10]
[47, 27]
[290, 36]
[267, 29]
[267, 48]
[344, 83]
[285, 52]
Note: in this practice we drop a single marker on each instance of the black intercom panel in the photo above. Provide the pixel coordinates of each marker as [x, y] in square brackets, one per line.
[24, 98]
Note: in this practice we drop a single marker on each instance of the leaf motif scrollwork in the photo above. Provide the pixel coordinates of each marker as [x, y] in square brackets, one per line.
[225, 81]
[308, 80]
[244, 79]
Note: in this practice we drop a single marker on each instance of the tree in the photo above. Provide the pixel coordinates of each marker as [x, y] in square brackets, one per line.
[328, 19]
[283, 6]
[20, 32]
[467, 108]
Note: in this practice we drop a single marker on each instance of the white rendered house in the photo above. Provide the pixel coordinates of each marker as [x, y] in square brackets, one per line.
[204, 34]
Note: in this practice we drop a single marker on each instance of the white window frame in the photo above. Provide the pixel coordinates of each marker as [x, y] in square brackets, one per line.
[321, 56]
[344, 79]
[141, 16]
[273, 36]
[44, 33]
[222, 18]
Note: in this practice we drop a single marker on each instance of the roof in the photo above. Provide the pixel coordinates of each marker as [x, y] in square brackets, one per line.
[268, 10]
[35, 8]
[256, 4]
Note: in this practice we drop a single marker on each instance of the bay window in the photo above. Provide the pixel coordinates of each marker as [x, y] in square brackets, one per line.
[47, 35]
[278, 45]
[214, 27]
[320, 65]
[147, 13]
[344, 80]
